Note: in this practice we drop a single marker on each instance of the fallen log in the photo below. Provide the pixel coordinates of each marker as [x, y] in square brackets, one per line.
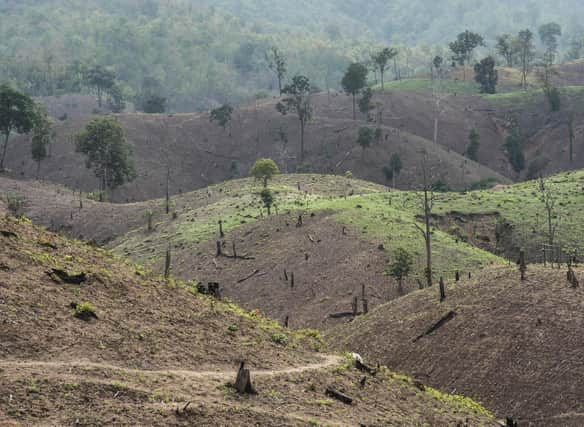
[363, 367]
[8, 234]
[60, 276]
[445, 319]
[341, 397]
[341, 315]
[255, 273]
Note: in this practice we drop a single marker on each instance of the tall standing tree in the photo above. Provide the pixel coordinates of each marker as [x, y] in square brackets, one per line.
[427, 206]
[298, 101]
[101, 80]
[222, 116]
[486, 75]
[381, 60]
[507, 48]
[474, 143]
[277, 63]
[108, 153]
[17, 114]
[354, 81]
[548, 34]
[43, 135]
[396, 165]
[365, 138]
[464, 46]
[526, 54]
[264, 170]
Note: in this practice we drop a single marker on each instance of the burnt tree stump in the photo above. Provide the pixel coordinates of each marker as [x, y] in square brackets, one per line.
[522, 264]
[442, 290]
[243, 381]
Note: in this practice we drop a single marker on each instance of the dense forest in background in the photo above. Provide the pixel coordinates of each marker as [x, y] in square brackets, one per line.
[201, 53]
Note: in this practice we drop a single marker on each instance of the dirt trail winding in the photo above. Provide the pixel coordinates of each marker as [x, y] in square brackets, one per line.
[328, 361]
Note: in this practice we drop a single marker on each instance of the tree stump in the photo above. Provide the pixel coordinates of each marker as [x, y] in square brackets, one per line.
[167, 263]
[522, 264]
[219, 252]
[221, 234]
[457, 276]
[355, 306]
[243, 382]
[442, 290]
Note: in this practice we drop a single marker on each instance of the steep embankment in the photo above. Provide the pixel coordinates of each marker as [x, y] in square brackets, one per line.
[513, 345]
[141, 350]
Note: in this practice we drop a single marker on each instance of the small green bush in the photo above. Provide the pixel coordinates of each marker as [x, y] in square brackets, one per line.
[85, 311]
[280, 339]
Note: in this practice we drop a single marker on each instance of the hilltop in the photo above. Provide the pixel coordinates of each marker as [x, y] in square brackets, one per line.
[513, 345]
[157, 352]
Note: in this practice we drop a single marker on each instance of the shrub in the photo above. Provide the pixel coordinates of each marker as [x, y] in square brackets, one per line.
[280, 339]
[483, 184]
[15, 204]
[85, 311]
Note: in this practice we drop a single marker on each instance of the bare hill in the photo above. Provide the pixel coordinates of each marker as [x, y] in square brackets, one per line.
[513, 345]
[200, 153]
[153, 352]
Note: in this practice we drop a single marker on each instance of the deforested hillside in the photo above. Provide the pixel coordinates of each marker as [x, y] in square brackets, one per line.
[515, 345]
[201, 153]
[80, 326]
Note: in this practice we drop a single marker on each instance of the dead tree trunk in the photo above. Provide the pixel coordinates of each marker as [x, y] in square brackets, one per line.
[243, 382]
[219, 252]
[167, 263]
[221, 233]
[522, 264]
[442, 290]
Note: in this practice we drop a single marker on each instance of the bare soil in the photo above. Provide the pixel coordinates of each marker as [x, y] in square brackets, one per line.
[159, 354]
[201, 153]
[512, 345]
[329, 269]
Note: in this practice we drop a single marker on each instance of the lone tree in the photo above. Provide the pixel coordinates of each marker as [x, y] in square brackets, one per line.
[525, 54]
[42, 135]
[354, 81]
[264, 170]
[298, 101]
[365, 138]
[154, 104]
[108, 153]
[548, 34]
[463, 47]
[268, 199]
[277, 63]
[549, 199]
[222, 116]
[396, 165]
[101, 80]
[365, 105]
[507, 48]
[427, 206]
[474, 142]
[486, 75]
[381, 60]
[401, 267]
[16, 115]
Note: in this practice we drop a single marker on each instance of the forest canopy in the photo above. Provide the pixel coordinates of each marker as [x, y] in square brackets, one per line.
[199, 54]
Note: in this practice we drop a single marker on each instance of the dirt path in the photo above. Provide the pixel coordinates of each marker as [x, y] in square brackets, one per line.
[329, 361]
